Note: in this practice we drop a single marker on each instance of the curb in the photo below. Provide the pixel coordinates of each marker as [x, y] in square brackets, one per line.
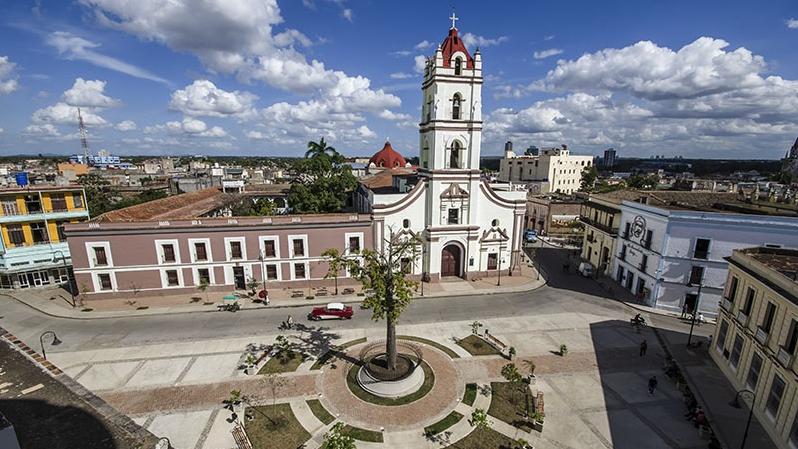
[522, 289]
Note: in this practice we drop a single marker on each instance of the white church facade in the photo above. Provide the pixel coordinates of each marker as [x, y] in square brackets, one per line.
[466, 228]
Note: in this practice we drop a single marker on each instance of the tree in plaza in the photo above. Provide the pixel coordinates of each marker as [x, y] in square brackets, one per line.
[324, 184]
[335, 439]
[316, 149]
[252, 285]
[644, 182]
[511, 374]
[389, 291]
[589, 176]
[335, 262]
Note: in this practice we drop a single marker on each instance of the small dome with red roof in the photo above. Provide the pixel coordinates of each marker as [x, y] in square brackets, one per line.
[387, 157]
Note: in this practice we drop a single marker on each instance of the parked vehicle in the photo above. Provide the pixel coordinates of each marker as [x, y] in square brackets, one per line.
[530, 236]
[586, 269]
[333, 310]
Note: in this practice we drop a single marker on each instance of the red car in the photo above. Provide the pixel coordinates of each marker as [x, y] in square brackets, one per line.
[333, 310]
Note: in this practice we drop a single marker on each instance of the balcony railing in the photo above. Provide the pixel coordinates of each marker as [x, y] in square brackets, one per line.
[608, 229]
[742, 317]
[784, 357]
[761, 335]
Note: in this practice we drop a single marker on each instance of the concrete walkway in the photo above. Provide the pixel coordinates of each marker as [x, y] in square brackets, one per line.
[53, 301]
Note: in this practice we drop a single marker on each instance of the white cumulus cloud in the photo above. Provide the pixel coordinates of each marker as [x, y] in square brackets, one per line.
[473, 40]
[89, 93]
[424, 45]
[64, 114]
[543, 54]
[792, 23]
[203, 98]
[8, 83]
[126, 125]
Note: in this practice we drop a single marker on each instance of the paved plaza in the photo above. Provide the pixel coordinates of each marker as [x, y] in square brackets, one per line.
[596, 396]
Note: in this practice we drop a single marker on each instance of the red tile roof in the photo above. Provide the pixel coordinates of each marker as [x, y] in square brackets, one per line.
[451, 45]
[388, 157]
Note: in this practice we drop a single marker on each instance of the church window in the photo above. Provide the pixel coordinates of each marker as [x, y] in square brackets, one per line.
[456, 102]
[454, 156]
[458, 66]
[405, 223]
[494, 223]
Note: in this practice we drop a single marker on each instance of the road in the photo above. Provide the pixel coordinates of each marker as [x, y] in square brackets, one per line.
[567, 292]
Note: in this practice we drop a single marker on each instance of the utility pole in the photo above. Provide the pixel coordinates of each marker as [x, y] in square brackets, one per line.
[84, 139]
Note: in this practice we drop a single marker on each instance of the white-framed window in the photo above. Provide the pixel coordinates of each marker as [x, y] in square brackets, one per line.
[297, 246]
[300, 270]
[171, 277]
[203, 272]
[269, 247]
[168, 252]
[272, 271]
[104, 281]
[702, 248]
[235, 248]
[773, 403]
[99, 254]
[200, 250]
[353, 243]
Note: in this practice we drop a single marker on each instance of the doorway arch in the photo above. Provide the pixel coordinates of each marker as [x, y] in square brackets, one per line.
[452, 260]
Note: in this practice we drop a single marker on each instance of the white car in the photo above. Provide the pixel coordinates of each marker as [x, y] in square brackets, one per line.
[586, 269]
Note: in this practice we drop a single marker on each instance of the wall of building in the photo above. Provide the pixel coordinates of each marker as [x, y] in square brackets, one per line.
[741, 332]
[558, 167]
[670, 258]
[135, 262]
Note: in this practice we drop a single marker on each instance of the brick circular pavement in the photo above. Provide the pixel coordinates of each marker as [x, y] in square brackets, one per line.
[341, 402]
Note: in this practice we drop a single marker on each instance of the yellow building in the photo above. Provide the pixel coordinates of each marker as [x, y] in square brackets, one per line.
[34, 250]
[756, 336]
[601, 217]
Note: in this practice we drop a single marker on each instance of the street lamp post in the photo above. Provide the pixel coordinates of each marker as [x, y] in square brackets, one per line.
[695, 307]
[736, 404]
[263, 271]
[69, 278]
[55, 342]
[499, 266]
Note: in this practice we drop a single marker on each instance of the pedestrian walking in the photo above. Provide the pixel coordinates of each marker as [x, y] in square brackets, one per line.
[289, 322]
[684, 311]
[643, 348]
[652, 385]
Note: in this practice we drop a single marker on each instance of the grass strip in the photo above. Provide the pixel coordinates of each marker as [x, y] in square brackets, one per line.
[509, 403]
[470, 394]
[275, 427]
[334, 350]
[434, 344]
[475, 345]
[320, 412]
[357, 433]
[484, 438]
[448, 421]
[282, 362]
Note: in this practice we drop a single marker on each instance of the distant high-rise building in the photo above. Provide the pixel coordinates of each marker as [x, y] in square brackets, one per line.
[609, 158]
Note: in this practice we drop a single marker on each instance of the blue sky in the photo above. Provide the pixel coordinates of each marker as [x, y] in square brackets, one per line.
[698, 78]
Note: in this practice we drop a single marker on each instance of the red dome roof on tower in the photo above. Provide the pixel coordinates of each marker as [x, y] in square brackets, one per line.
[451, 45]
[387, 157]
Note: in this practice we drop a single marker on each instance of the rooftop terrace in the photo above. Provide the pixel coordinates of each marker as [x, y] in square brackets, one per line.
[719, 202]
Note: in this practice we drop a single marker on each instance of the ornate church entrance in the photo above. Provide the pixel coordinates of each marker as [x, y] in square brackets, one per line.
[450, 260]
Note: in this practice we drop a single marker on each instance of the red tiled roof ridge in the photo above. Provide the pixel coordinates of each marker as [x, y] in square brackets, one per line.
[451, 45]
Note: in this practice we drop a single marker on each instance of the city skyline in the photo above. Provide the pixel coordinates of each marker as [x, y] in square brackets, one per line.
[268, 77]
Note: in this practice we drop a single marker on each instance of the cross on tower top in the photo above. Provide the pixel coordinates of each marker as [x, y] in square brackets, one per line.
[454, 18]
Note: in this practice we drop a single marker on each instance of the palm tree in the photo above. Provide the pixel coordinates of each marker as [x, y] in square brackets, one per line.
[316, 149]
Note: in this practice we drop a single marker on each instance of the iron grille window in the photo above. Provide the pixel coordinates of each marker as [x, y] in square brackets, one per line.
[168, 252]
[235, 250]
[269, 249]
[201, 253]
[100, 258]
[299, 247]
[16, 235]
[171, 278]
[58, 202]
[105, 281]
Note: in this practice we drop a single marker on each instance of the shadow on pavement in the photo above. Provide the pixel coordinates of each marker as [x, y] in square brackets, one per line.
[715, 393]
[634, 417]
[41, 425]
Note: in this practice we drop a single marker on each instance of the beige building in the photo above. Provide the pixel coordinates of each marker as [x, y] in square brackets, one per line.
[553, 170]
[756, 336]
[601, 216]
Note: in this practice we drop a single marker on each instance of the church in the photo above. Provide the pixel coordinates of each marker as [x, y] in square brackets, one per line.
[466, 227]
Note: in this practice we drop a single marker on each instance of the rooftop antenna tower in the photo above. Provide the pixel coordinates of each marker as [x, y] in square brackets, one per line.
[84, 141]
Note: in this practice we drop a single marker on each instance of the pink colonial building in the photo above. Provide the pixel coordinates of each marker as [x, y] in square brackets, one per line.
[172, 245]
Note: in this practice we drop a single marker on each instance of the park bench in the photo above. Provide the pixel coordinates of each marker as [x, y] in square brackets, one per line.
[240, 437]
[496, 343]
[349, 291]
